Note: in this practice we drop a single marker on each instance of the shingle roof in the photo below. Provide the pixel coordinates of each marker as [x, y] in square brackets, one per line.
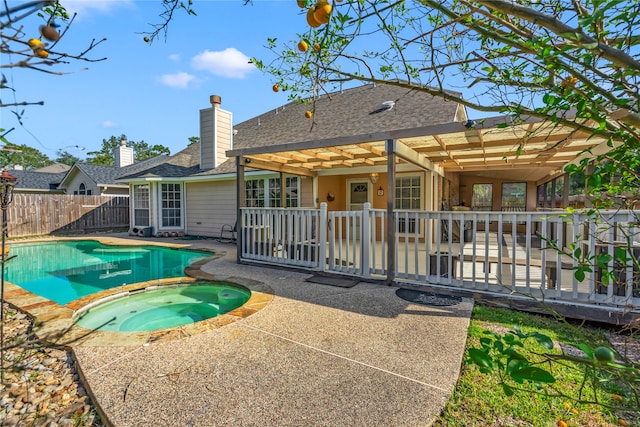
[33, 180]
[182, 164]
[350, 112]
[107, 175]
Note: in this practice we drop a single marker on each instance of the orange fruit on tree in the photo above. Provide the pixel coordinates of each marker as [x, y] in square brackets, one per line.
[316, 47]
[276, 88]
[311, 20]
[301, 3]
[322, 12]
[303, 46]
[42, 53]
[35, 43]
[308, 114]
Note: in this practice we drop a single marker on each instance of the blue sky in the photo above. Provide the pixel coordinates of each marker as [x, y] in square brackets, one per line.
[151, 93]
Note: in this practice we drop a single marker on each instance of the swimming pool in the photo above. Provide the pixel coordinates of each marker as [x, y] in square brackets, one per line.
[63, 271]
[163, 307]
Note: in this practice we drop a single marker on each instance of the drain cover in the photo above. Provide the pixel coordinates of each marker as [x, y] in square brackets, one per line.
[428, 298]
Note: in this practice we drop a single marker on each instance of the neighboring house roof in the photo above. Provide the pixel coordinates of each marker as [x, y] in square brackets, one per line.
[107, 175]
[32, 180]
[349, 112]
[183, 164]
[53, 168]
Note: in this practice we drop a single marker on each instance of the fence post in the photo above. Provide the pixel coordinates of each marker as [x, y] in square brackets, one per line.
[322, 221]
[365, 243]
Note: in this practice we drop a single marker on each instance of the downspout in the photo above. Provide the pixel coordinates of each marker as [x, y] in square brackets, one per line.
[391, 222]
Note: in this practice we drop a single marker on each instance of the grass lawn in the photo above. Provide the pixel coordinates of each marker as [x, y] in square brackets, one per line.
[479, 399]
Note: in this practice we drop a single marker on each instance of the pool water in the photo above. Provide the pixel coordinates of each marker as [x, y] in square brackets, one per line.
[67, 270]
[165, 307]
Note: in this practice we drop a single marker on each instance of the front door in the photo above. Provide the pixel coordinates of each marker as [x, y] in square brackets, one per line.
[358, 192]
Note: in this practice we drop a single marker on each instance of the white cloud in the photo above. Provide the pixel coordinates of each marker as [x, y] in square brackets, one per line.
[108, 124]
[226, 63]
[180, 80]
[175, 57]
[85, 7]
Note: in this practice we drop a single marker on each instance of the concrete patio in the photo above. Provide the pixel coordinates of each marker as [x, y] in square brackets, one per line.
[315, 355]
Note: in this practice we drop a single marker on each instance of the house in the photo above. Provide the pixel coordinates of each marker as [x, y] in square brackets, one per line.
[392, 184]
[194, 191]
[98, 180]
[34, 181]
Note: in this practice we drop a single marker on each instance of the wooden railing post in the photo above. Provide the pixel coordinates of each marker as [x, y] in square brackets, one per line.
[323, 224]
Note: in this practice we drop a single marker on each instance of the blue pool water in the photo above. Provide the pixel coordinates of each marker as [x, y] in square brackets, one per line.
[165, 307]
[67, 270]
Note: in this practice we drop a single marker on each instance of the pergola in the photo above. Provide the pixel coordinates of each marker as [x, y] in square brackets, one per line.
[491, 145]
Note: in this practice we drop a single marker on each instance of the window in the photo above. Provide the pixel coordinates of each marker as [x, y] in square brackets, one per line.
[482, 197]
[82, 190]
[254, 193]
[408, 196]
[291, 189]
[171, 205]
[256, 197]
[514, 196]
[141, 205]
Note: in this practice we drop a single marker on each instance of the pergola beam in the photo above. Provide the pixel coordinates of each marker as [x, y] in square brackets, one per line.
[408, 154]
[275, 167]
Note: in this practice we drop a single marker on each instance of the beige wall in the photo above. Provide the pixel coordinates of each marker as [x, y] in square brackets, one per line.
[223, 135]
[209, 205]
[207, 159]
[79, 177]
[216, 136]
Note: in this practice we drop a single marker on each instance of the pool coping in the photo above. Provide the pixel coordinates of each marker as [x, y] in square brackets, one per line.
[53, 323]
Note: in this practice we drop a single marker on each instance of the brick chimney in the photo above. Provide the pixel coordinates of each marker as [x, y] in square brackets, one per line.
[123, 155]
[216, 134]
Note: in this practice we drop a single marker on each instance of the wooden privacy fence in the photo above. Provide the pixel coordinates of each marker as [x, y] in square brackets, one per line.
[36, 214]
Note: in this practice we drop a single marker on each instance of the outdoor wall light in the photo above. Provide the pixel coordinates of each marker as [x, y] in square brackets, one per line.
[374, 177]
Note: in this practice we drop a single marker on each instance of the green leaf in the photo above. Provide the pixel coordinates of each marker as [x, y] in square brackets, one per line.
[543, 340]
[532, 373]
[507, 390]
[586, 349]
[514, 365]
[480, 358]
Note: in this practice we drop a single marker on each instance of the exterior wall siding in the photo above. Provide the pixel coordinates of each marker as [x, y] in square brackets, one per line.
[207, 135]
[80, 178]
[223, 135]
[210, 205]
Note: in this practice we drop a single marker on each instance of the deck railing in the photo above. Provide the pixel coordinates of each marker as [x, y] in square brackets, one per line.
[284, 236]
[543, 254]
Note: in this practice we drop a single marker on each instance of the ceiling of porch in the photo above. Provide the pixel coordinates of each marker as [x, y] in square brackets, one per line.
[491, 148]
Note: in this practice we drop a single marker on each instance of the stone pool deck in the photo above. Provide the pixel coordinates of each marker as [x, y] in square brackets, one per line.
[307, 355]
